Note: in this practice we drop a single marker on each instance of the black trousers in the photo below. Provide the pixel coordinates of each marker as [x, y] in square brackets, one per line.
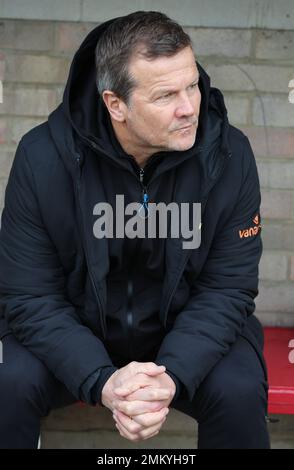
[230, 405]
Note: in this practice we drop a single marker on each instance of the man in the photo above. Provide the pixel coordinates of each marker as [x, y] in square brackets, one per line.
[91, 315]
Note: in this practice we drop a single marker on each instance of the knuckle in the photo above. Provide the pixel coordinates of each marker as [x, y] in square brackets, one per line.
[157, 406]
[135, 429]
[141, 434]
[119, 407]
[127, 409]
[146, 422]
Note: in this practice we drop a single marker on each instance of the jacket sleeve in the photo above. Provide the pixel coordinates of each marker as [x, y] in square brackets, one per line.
[222, 298]
[32, 288]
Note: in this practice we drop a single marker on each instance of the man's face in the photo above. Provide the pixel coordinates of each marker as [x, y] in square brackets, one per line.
[164, 106]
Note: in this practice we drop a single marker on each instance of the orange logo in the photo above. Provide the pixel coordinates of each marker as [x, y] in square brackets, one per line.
[251, 231]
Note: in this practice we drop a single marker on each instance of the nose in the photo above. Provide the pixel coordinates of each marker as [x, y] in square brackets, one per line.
[185, 106]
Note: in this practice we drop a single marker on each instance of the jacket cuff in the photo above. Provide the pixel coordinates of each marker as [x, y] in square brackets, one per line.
[91, 390]
[179, 385]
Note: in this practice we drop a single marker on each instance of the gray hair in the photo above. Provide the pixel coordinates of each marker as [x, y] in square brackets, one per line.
[149, 34]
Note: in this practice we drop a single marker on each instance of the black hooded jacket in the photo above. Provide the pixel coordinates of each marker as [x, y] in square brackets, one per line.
[86, 306]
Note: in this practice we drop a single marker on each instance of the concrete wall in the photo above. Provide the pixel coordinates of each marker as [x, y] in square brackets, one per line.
[248, 52]
[209, 13]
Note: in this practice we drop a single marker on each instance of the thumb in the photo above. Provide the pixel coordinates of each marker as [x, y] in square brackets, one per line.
[147, 368]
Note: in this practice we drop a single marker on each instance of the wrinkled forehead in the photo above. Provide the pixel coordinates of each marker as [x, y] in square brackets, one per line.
[164, 70]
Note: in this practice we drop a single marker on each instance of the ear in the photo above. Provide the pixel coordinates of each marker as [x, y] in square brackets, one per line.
[116, 107]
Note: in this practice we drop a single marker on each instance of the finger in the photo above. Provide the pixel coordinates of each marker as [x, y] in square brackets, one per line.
[138, 423]
[148, 432]
[150, 419]
[149, 368]
[132, 384]
[149, 394]
[133, 369]
[124, 433]
[142, 435]
[132, 408]
[152, 435]
[128, 423]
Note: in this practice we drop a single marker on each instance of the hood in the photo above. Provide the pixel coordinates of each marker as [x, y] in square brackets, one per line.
[79, 118]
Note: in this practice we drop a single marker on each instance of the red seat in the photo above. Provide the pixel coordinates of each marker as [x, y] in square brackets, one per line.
[279, 356]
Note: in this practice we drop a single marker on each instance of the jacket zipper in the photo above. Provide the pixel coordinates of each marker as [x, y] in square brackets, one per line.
[78, 159]
[130, 282]
[145, 197]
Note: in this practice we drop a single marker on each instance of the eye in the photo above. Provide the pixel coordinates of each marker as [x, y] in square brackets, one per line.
[194, 85]
[167, 95]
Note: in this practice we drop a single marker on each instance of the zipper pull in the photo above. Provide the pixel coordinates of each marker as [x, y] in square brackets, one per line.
[144, 211]
[145, 199]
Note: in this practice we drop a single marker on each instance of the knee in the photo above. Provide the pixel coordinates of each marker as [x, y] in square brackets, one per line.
[239, 393]
[22, 376]
[19, 384]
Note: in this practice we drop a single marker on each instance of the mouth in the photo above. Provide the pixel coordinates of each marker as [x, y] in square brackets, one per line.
[185, 128]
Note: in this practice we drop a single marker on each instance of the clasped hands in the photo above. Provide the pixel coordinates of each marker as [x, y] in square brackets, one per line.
[139, 395]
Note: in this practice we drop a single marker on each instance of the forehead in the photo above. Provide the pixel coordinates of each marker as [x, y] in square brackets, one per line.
[164, 71]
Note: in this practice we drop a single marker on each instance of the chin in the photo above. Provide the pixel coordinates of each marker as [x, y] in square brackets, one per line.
[183, 144]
